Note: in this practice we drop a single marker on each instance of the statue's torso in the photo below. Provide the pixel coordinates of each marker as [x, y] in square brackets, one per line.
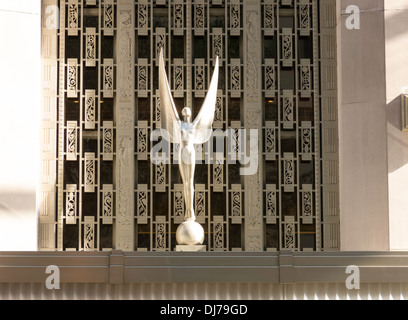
[187, 150]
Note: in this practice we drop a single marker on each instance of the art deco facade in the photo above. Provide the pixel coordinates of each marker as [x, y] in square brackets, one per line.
[99, 189]
[330, 191]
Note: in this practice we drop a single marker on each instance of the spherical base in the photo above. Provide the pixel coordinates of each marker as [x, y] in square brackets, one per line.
[190, 233]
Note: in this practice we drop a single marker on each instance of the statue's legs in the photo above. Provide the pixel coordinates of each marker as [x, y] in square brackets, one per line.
[187, 166]
[189, 198]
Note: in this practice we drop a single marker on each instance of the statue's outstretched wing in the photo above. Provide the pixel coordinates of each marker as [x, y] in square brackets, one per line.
[204, 120]
[170, 120]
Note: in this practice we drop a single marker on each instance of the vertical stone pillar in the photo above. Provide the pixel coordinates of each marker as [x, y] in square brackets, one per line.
[329, 126]
[125, 101]
[253, 120]
[364, 216]
[189, 59]
[48, 173]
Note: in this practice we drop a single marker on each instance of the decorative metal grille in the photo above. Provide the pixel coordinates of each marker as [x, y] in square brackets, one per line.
[99, 189]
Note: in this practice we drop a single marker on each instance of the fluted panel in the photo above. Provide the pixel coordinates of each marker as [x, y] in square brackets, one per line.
[338, 291]
[204, 291]
[142, 291]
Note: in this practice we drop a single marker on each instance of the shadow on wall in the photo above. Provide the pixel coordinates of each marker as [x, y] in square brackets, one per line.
[18, 228]
[396, 33]
[397, 140]
[398, 29]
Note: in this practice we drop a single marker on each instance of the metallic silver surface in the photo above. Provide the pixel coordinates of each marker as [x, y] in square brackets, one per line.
[186, 133]
[190, 233]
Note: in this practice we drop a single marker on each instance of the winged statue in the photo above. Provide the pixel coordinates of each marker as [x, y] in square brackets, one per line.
[186, 132]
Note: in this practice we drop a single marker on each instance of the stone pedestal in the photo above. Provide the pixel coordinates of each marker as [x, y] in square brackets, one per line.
[191, 248]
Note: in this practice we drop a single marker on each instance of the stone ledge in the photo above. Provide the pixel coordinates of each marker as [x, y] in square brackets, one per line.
[285, 267]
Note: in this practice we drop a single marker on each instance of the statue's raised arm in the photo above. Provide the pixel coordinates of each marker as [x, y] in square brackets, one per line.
[170, 120]
[205, 118]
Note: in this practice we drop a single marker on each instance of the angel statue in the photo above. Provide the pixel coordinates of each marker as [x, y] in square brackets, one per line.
[186, 133]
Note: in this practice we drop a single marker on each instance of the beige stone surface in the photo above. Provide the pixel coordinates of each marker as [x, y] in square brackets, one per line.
[396, 40]
[362, 131]
[19, 122]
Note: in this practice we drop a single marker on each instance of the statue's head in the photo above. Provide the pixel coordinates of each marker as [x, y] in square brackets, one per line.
[186, 113]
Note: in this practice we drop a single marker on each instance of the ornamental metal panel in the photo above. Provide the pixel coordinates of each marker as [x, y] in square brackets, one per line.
[99, 188]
